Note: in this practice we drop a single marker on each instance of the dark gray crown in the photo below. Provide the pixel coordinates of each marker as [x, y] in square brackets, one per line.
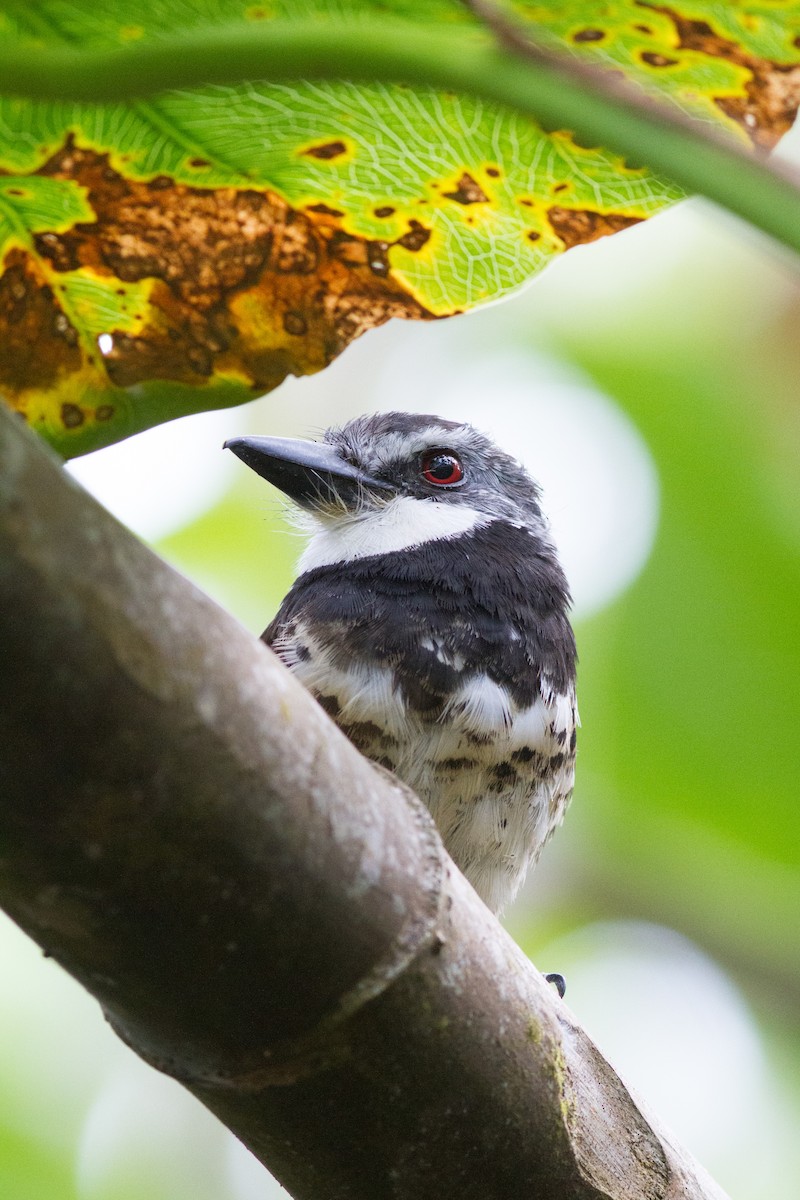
[390, 446]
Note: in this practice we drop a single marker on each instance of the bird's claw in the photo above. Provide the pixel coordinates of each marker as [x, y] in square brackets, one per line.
[558, 982]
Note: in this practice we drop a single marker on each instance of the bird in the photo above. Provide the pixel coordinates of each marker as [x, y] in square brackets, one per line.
[430, 619]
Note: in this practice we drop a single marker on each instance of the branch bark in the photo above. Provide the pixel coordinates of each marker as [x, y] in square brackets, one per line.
[261, 913]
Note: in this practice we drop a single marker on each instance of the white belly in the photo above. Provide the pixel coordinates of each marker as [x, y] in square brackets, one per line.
[497, 778]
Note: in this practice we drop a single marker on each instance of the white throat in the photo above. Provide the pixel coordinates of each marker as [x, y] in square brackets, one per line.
[403, 523]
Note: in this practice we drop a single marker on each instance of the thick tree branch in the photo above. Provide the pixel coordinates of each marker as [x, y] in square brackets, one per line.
[261, 913]
[552, 87]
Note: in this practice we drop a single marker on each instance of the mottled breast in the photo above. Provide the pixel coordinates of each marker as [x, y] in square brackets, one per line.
[452, 664]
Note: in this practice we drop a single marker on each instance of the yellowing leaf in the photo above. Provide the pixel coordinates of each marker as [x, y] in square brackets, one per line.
[737, 63]
[191, 250]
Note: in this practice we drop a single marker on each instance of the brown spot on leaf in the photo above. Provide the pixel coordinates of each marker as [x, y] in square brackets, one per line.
[32, 354]
[347, 248]
[294, 323]
[493, 172]
[533, 235]
[589, 35]
[657, 60]
[199, 163]
[71, 416]
[325, 210]
[576, 226]
[384, 211]
[63, 328]
[468, 191]
[62, 254]
[375, 254]
[416, 237]
[378, 257]
[296, 252]
[200, 359]
[561, 187]
[199, 243]
[236, 279]
[327, 150]
[104, 413]
[646, 29]
[772, 94]
[769, 109]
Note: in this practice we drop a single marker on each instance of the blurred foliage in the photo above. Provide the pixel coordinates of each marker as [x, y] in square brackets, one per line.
[239, 553]
[688, 689]
[29, 1172]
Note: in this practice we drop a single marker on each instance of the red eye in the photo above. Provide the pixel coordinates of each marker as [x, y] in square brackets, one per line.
[442, 468]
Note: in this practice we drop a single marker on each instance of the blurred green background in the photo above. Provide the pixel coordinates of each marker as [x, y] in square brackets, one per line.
[651, 381]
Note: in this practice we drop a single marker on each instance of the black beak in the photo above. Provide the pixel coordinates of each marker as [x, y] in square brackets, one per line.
[309, 473]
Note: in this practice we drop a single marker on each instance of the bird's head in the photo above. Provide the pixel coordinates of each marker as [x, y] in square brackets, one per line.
[392, 481]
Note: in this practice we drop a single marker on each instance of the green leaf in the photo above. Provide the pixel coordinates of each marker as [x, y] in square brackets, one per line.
[211, 241]
[733, 64]
[31, 1171]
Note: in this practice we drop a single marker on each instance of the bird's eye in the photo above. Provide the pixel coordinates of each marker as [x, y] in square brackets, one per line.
[442, 468]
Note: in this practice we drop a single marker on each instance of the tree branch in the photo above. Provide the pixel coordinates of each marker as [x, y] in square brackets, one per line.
[261, 913]
[554, 88]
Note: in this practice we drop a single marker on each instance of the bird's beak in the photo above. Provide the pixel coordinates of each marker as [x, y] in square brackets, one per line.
[310, 473]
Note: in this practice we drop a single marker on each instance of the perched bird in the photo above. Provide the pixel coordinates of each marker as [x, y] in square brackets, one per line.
[429, 619]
